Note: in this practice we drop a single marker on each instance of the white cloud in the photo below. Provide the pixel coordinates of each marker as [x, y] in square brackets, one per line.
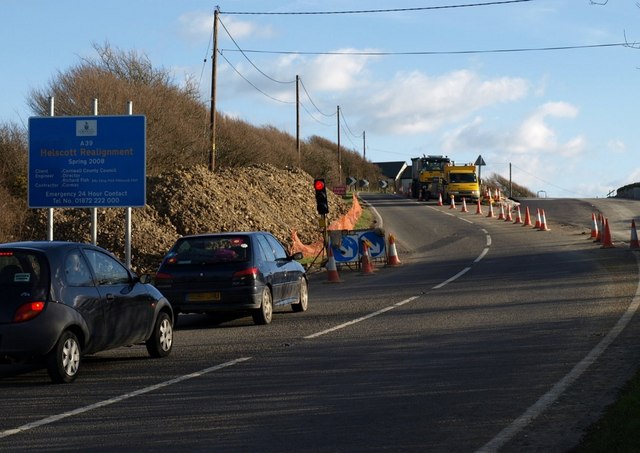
[336, 73]
[535, 134]
[195, 26]
[415, 102]
[616, 146]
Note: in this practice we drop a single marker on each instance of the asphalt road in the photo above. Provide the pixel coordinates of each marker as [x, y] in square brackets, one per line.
[489, 337]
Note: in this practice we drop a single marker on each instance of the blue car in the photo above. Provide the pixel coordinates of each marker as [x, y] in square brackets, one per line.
[62, 300]
[247, 272]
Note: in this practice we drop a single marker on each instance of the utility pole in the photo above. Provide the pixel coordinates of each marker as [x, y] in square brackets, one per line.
[364, 145]
[212, 119]
[339, 150]
[298, 120]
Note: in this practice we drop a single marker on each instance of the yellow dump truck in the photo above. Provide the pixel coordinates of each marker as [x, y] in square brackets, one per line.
[428, 174]
[461, 181]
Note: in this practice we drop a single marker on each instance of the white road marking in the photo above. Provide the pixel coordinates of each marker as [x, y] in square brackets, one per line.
[552, 395]
[117, 399]
[55, 418]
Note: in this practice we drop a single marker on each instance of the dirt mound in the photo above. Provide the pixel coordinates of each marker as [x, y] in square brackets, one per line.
[194, 200]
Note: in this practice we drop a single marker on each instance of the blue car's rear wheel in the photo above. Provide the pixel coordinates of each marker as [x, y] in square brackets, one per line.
[63, 362]
[264, 314]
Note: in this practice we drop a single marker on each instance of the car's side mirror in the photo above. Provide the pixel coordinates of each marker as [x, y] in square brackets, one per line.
[297, 256]
[145, 279]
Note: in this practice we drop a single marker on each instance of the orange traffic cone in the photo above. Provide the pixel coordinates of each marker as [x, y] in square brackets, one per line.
[508, 216]
[607, 243]
[366, 265]
[543, 221]
[453, 203]
[464, 205]
[538, 220]
[527, 217]
[518, 215]
[633, 243]
[501, 216]
[594, 226]
[332, 271]
[479, 208]
[392, 257]
[439, 199]
[490, 209]
[602, 229]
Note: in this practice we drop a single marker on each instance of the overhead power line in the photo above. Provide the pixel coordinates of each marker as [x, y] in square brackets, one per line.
[369, 11]
[252, 84]
[239, 49]
[434, 52]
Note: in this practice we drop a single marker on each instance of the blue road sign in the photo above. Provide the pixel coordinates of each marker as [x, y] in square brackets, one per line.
[88, 161]
[377, 242]
[350, 247]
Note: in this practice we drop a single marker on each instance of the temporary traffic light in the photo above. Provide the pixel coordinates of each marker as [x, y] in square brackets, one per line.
[322, 201]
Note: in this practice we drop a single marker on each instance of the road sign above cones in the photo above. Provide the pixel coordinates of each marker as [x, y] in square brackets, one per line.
[392, 258]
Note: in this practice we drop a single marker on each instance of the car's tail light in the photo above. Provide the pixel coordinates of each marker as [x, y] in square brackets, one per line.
[163, 279]
[28, 311]
[245, 277]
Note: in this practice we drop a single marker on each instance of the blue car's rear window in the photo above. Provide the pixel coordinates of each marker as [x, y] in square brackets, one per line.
[209, 250]
[22, 269]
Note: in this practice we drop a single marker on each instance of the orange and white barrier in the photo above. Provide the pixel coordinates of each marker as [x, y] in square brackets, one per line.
[543, 221]
[332, 270]
[479, 208]
[518, 215]
[527, 217]
[607, 243]
[366, 265]
[392, 257]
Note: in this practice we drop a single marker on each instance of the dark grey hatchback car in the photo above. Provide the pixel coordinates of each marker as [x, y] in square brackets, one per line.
[61, 300]
[243, 272]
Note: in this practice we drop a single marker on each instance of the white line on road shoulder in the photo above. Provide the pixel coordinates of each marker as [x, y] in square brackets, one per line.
[552, 395]
[117, 399]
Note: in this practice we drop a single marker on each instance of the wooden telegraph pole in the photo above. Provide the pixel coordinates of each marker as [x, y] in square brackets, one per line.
[212, 118]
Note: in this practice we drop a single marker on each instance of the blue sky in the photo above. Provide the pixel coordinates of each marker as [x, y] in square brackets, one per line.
[564, 119]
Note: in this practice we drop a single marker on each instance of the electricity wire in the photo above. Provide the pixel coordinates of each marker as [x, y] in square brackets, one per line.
[252, 84]
[436, 52]
[249, 60]
[369, 11]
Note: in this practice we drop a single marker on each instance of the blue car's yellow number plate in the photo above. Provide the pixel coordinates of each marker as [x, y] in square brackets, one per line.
[203, 297]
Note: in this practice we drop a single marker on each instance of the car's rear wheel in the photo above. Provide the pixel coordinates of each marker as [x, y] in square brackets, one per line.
[303, 297]
[63, 362]
[161, 340]
[264, 314]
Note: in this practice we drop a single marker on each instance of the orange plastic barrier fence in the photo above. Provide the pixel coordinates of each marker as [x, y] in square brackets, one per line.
[346, 222]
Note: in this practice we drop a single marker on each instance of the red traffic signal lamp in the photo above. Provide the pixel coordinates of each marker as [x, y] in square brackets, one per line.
[322, 201]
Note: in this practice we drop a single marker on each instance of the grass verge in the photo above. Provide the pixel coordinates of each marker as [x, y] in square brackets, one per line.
[619, 428]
